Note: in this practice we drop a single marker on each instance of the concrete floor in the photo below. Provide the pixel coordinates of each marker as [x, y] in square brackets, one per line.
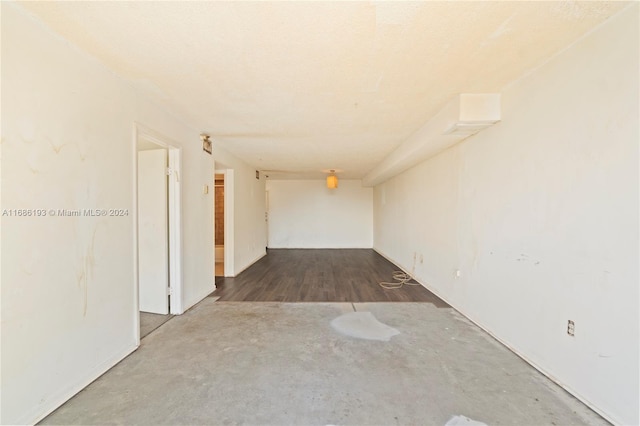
[276, 363]
[149, 322]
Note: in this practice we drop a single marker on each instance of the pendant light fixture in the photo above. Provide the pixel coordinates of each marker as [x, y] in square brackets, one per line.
[332, 180]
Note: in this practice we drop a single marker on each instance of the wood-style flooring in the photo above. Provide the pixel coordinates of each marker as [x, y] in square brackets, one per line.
[319, 275]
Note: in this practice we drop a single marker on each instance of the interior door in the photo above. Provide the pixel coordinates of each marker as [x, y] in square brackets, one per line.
[153, 231]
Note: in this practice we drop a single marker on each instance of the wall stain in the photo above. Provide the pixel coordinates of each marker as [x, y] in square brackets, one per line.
[56, 149]
[81, 154]
[524, 258]
[85, 274]
[33, 169]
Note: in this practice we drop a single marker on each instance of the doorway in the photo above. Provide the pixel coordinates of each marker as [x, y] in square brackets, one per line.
[218, 223]
[157, 238]
[223, 208]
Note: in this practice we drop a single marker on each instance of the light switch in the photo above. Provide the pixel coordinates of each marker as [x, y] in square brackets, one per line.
[205, 189]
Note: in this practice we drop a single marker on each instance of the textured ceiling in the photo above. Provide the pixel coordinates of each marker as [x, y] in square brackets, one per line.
[308, 86]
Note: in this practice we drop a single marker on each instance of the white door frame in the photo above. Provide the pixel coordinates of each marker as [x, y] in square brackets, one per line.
[266, 217]
[229, 267]
[222, 172]
[175, 219]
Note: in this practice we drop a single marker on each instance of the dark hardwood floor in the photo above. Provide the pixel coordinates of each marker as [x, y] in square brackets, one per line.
[319, 275]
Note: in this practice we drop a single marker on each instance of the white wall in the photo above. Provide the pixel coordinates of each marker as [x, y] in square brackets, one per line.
[68, 301]
[306, 214]
[249, 238]
[540, 215]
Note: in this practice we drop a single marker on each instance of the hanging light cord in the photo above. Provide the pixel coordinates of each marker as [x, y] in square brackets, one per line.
[401, 278]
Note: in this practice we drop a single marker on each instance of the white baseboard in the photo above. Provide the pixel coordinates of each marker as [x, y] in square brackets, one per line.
[191, 304]
[403, 268]
[260, 256]
[526, 359]
[188, 305]
[320, 248]
[39, 412]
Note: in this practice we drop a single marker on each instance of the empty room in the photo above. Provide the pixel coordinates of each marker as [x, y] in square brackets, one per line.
[320, 213]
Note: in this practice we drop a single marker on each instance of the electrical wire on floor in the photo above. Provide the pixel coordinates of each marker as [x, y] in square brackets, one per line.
[401, 277]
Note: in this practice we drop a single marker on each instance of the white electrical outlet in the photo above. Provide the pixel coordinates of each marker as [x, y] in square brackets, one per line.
[571, 328]
[458, 274]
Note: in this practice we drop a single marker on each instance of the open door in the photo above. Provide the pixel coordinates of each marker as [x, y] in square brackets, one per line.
[153, 232]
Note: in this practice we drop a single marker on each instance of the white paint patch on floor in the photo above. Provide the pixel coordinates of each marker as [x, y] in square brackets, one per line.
[363, 325]
[463, 421]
